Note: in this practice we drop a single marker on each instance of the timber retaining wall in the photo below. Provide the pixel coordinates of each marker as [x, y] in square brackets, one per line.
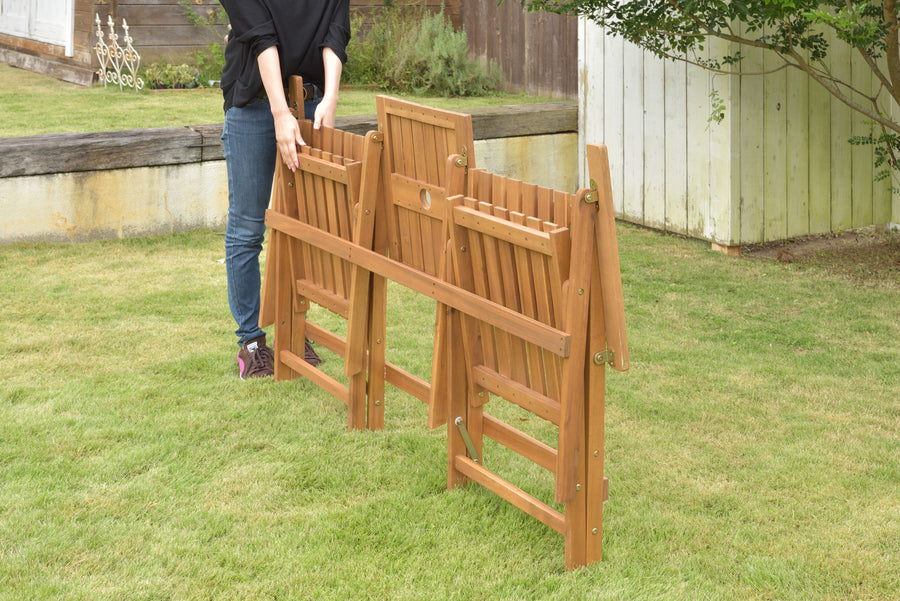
[82, 187]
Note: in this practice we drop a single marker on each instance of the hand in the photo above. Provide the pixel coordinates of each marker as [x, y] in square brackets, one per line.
[287, 136]
[325, 112]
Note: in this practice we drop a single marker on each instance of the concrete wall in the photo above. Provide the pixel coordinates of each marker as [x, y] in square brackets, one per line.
[82, 187]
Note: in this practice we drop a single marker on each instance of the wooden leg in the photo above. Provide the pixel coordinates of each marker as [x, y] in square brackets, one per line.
[457, 400]
[586, 546]
[377, 329]
[286, 319]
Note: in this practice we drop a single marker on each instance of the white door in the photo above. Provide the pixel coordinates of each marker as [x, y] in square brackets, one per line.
[50, 21]
[14, 17]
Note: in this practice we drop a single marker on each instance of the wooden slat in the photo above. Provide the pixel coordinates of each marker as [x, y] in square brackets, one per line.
[325, 168]
[407, 382]
[407, 193]
[514, 495]
[534, 450]
[509, 283]
[504, 230]
[516, 392]
[611, 279]
[322, 296]
[421, 113]
[531, 330]
[494, 291]
[419, 151]
[364, 235]
[571, 399]
[529, 200]
[591, 453]
[528, 306]
[542, 290]
[319, 378]
[480, 287]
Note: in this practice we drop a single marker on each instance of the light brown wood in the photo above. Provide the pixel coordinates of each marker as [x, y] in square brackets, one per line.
[527, 285]
[516, 496]
[325, 193]
[554, 275]
[529, 329]
[535, 450]
[611, 278]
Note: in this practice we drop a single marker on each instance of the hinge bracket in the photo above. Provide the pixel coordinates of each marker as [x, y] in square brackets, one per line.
[604, 356]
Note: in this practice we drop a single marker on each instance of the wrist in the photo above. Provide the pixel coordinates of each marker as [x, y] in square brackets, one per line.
[280, 110]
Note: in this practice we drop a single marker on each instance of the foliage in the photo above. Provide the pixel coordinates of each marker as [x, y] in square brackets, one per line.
[371, 44]
[802, 33]
[887, 152]
[211, 59]
[166, 75]
[433, 59]
[412, 50]
[209, 62]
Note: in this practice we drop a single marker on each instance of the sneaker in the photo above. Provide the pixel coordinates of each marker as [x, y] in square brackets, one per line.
[309, 354]
[255, 359]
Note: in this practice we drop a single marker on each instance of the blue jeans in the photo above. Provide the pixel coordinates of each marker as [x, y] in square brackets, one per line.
[248, 136]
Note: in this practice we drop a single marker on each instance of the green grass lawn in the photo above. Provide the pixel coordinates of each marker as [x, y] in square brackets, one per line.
[753, 449]
[36, 104]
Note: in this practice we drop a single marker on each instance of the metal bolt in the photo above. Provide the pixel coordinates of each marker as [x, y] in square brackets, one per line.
[462, 248]
[378, 341]
[596, 453]
[377, 403]
[290, 184]
[368, 212]
[577, 487]
[594, 531]
[580, 291]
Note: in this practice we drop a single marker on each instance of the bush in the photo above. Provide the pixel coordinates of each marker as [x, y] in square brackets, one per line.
[209, 62]
[164, 75]
[433, 59]
[412, 50]
[211, 59]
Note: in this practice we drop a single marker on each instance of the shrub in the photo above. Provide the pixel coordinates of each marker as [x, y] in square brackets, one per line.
[211, 59]
[410, 49]
[432, 59]
[165, 75]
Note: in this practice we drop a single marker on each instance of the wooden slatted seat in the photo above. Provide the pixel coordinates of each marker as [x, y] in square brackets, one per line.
[337, 194]
[552, 274]
[418, 143]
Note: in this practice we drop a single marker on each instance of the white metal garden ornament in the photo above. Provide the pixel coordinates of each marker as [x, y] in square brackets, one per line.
[118, 65]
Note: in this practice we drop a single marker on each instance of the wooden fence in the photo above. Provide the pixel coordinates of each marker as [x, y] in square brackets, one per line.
[777, 166]
[537, 52]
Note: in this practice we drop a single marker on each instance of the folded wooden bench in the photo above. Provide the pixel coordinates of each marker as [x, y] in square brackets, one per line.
[551, 273]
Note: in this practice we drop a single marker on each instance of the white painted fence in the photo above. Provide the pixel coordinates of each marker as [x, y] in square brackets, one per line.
[778, 165]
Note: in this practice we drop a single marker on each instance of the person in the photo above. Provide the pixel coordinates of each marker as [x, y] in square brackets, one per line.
[269, 41]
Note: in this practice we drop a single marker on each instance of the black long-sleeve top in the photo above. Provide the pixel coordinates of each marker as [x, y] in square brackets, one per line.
[299, 28]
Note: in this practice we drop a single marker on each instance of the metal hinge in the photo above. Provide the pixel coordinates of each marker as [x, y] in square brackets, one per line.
[605, 356]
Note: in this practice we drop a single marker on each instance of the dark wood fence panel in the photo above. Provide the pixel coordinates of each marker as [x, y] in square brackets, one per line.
[537, 52]
[161, 31]
[368, 9]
